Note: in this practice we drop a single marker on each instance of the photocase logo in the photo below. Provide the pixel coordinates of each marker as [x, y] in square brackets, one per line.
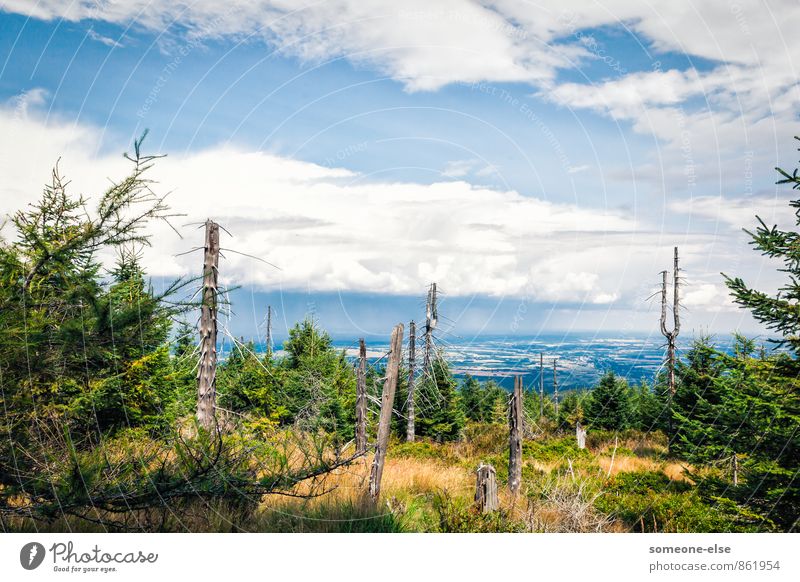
[31, 555]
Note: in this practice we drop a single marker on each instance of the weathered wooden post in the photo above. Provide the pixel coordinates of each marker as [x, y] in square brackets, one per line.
[580, 435]
[412, 362]
[361, 398]
[387, 401]
[207, 368]
[486, 489]
[515, 437]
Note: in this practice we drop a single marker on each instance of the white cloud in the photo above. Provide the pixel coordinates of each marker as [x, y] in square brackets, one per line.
[329, 229]
[737, 212]
[463, 168]
[743, 97]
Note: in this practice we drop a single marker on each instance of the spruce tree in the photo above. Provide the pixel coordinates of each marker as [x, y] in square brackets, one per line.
[609, 404]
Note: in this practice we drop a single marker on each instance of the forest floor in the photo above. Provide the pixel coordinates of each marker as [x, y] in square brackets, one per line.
[619, 483]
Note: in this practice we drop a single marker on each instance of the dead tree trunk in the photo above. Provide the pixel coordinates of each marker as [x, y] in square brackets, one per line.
[486, 489]
[384, 425]
[580, 436]
[735, 470]
[555, 389]
[412, 362]
[541, 385]
[515, 437]
[361, 398]
[431, 317]
[671, 335]
[269, 330]
[207, 368]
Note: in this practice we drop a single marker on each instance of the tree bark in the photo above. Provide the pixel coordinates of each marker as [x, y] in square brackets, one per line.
[486, 489]
[515, 437]
[384, 425]
[207, 368]
[410, 428]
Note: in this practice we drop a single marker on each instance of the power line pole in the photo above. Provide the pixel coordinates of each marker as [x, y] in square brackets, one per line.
[412, 362]
[207, 367]
[541, 385]
[555, 387]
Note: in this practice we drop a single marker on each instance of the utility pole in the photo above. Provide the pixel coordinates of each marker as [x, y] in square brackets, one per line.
[676, 328]
[269, 330]
[555, 388]
[207, 367]
[431, 316]
[541, 385]
[412, 362]
[384, 425]
[361, 398]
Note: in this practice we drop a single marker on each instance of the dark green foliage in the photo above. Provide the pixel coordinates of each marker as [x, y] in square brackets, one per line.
[651, 502]
[781, 312]
[249, 383]
[317, 382]
[552, 449]
[456, 515]
[483, 402]
[78, 344]
[609, 405]
[571, 409]
[440, 415]
[650, 407]
[750, 409]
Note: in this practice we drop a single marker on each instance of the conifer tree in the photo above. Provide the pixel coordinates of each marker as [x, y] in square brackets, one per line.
[609, 404]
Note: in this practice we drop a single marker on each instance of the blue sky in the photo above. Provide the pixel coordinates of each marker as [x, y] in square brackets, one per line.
[549, 156]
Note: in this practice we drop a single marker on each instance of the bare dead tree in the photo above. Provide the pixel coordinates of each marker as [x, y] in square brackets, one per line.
[361, 398]
[412, 362]
[269, 330]
[384, 425]
[671, 335]
[207, 368]
[486, 489]
[515, 437]
[431, 317]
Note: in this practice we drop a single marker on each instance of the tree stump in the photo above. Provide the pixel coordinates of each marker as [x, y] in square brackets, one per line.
[486, 489]
[580, 436]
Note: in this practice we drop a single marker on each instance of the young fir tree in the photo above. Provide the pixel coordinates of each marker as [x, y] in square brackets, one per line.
[779, 312]
[318, 383]
[440, 415]
[570, 410]
[481, 401]
[609, 404]
[758, 409]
